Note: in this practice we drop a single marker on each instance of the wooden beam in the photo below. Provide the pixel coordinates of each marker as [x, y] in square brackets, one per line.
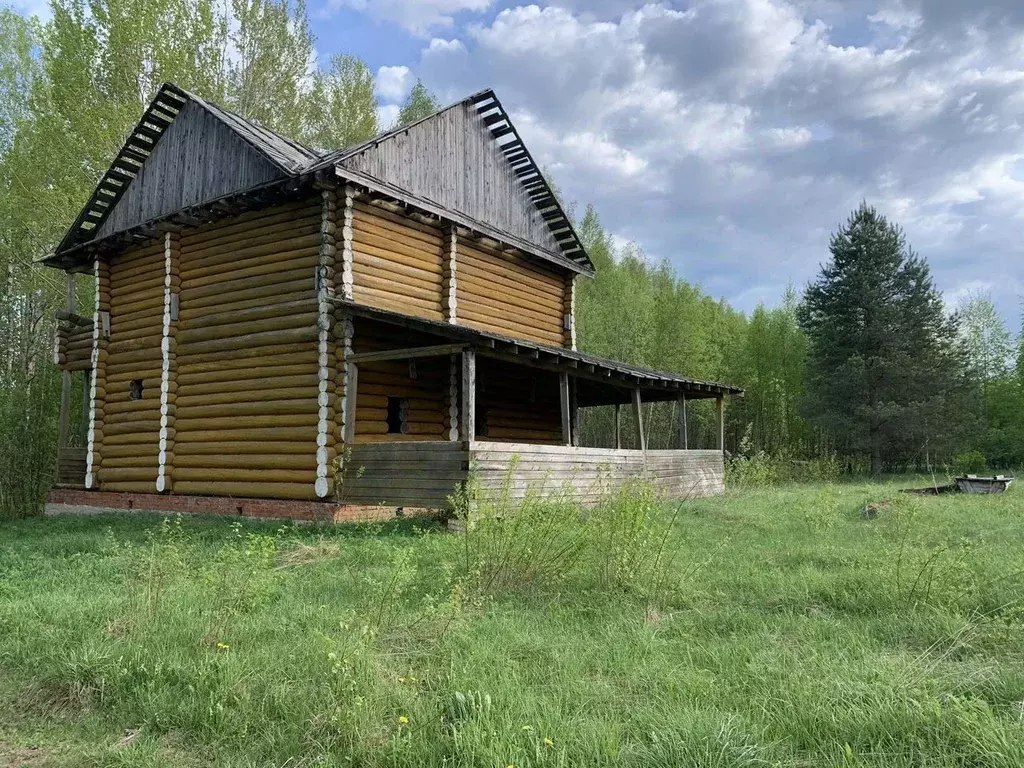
[720, 401]
[468, 411]
[618, 426]
[683, 436]
[65, 377]
[408, 353]
[574, 412]
[641, 438]
[351, 388]
[563, 395]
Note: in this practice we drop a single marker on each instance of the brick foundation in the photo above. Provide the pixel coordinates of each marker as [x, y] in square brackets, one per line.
[73, 501]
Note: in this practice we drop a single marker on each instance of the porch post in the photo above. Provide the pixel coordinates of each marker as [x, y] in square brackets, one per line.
[574, 412]
[351, 388]
[618, 426]
[65, 378]
[721, 422]
[683, 437]
[563, 396]
[641, 438]
[468, 414]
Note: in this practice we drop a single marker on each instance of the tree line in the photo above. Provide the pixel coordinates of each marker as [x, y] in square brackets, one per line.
[71, 90]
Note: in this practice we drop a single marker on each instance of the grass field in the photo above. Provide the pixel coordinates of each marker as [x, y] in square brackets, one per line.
[768, 628]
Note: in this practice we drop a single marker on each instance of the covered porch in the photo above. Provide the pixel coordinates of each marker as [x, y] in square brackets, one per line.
[513, 421]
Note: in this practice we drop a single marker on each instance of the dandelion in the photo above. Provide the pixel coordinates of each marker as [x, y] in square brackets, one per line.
[403, 720]
[548, 742]
[222, 646]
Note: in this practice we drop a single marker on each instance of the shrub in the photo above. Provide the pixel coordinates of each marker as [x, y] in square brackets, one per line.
[970, 463]
[626, 542]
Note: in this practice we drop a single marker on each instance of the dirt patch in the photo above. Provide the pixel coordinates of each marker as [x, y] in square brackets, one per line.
[13, 756]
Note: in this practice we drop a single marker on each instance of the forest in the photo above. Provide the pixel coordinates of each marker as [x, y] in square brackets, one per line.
[863, 370]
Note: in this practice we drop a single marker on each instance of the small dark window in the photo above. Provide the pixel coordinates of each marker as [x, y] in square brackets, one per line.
[398, 416]
[135, 389]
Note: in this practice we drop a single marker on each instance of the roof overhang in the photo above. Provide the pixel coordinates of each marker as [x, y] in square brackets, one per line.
[655, 385]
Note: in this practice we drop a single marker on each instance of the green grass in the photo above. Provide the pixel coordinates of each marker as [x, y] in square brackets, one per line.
[772, 628]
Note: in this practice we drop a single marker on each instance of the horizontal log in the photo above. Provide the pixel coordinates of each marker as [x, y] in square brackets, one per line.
[249, 358]
[363, 213]
[476, 277]
[187, 425]
[193, 434]
[482, 300]
[399, 284]
[501, 314]
[258, 386]
[510, 329]
[303, 287]
[288, 261]
[302, 394]
[249, 245]
[213, 474]
[392, 438]
[263, 461]
[238, 226]
[247, 327]
[254, 340]
[370, 240]
[150, 319]
[527, 274]
[265, 490]
[149, 427]
[396, 302]
[249, 447]
[264, 311]
[237, 288]
[256, 377]
[247, 260]
[127, 474]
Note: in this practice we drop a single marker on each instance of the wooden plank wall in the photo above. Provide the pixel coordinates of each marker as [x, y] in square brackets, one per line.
[247, 355]
[411, 474]
[396, 262]
[428, 412]
[128, 448]
[506, 294]
[593, 472]
[517, 404]
[197, 159]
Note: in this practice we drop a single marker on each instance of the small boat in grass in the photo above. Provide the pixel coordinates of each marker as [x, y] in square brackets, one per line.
[977, 484]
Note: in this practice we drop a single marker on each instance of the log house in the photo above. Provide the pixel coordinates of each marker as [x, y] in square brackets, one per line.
[269, 317]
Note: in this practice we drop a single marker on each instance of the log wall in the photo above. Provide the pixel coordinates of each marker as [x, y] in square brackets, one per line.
[506, 294]
[517, 404]
[248, 356]
[427, 395]
[127, 454]
[397, 263]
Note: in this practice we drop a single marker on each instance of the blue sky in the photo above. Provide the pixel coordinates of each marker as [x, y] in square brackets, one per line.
[731, 136]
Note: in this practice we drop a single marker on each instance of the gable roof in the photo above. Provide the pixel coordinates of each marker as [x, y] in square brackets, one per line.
[287, 156]
[497, 176]
[552, 229]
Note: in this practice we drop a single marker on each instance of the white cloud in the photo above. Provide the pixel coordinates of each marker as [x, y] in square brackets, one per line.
[393, 83]
[387, 115]
[416, 16]
[774, 116]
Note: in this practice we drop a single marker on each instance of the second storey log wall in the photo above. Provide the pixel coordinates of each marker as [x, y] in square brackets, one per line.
[505, 294]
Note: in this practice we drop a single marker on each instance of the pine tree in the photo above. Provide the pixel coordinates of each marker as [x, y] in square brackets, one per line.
[418, 105]
[886, 370]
